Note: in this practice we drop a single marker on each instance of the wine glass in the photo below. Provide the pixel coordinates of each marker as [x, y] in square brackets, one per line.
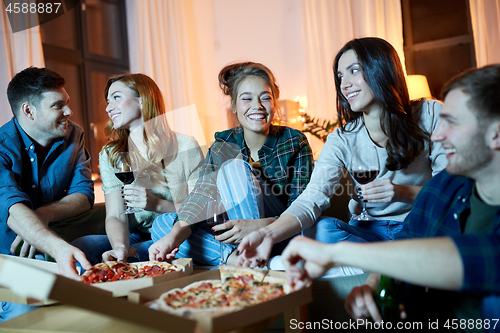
[364, 169]
[124, 166]
[214, 218]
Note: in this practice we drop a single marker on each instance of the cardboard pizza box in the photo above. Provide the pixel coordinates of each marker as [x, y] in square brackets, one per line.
[224, 322]
[118, 288]
[31, 282]
[7, 295]
[122, 288]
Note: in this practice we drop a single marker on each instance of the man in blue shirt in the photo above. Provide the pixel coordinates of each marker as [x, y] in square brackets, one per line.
[451, 239]
[44, 168]
[45, 176]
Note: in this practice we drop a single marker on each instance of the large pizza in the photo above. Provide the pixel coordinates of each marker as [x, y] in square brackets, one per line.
[115, 271]
[239, 287]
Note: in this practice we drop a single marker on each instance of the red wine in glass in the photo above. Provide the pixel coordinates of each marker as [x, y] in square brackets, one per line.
[364, 169]
[124, 166]
[126, 177]
[214, 219]
[364, 177]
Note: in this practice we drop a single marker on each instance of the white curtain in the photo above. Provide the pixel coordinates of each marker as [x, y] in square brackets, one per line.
[17, 51]
[158, 48]
[485, 17]
[329, 24]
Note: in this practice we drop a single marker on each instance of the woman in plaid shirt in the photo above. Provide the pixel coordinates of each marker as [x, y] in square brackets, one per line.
[253, 172]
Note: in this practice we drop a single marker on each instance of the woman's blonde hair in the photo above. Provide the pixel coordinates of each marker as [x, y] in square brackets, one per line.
[158, 137]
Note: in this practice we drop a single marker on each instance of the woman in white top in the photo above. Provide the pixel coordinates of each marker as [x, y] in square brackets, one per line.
[373, 109]
[168, 169]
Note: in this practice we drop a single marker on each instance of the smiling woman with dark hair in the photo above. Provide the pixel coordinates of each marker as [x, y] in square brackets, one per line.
[374, 112]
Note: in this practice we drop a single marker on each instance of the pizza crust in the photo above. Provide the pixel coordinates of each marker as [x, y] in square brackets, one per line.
[93, 269]
[233, 272]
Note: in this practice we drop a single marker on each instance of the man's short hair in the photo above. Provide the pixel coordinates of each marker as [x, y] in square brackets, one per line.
[483, 87]
[29, 85]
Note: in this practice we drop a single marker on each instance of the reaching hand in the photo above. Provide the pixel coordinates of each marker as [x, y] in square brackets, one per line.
[27, 250]
[163, 249]
[67, 257]
[254, 249]
[361, 305]
[382, 190]
[235, 230]
[118, 254]
[314, 256]
[139, 197]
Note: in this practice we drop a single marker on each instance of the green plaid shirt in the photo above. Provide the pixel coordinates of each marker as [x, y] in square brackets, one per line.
[285, 161]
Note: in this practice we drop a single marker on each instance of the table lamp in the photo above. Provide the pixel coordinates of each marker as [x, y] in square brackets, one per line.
[418, 86]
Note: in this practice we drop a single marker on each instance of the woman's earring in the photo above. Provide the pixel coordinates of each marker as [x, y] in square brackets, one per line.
[234, 111]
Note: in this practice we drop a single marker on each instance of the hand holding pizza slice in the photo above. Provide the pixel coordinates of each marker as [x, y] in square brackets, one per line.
[255, 249]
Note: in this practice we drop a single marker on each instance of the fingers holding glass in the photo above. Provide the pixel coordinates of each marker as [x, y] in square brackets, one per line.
[364, 169]
[125, 167]
[216, 217]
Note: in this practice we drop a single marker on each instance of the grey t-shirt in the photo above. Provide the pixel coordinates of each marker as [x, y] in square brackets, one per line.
[336, 155]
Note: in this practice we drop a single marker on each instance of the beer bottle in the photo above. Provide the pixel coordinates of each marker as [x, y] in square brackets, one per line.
[387, 300]
[18, 249]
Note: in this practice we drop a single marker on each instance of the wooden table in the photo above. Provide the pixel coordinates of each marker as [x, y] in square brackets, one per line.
[66, 318]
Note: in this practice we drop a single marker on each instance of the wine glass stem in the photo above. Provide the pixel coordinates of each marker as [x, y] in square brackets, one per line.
[222, 261]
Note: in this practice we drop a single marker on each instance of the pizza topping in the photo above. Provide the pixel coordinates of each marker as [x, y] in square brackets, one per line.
[205, 286]
[115, 271]
[243, 288]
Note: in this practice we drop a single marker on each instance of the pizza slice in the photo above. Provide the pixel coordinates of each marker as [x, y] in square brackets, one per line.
[98, 273]
[155, 268]
[122, 270]
[239, 287]
[249, 286]
[200, 295]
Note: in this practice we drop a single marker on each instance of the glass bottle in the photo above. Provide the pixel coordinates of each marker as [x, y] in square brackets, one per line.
[387, 299]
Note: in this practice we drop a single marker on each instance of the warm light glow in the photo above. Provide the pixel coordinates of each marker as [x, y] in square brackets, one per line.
[297, 98]
[276, 121]
[418, 86]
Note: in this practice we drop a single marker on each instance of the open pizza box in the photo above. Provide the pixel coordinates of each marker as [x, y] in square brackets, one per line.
[118, 288]
[122, 288]
[289, 305]
[6, 294]
[32, 282]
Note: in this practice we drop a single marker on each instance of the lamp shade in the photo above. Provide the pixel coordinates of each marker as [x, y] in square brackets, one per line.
[418, 86]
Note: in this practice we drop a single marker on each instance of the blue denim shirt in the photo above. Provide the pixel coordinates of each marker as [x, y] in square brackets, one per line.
[66, 170]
